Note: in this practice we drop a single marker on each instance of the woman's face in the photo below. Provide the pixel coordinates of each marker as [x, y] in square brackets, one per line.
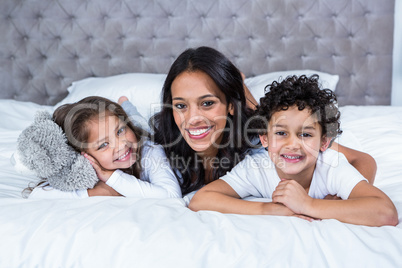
[112, 143]
[200, 111]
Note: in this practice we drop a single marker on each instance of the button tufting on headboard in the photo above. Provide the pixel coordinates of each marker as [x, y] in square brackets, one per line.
[46, 45]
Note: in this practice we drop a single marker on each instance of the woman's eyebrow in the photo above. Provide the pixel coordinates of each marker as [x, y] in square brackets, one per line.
[201, 97]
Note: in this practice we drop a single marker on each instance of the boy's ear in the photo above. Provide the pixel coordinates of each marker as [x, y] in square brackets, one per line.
[264, 140]
[231, 109]
[325, 142]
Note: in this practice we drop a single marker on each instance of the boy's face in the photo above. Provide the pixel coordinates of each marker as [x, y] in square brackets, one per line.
[294, 140]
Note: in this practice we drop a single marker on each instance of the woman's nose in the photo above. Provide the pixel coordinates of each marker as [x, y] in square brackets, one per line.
[194, 116]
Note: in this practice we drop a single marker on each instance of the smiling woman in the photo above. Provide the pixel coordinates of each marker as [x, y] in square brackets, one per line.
[200, 111]
[203, 122]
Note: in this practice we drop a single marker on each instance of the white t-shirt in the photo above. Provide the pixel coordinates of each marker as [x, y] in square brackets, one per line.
[256, 176]
[157, 179]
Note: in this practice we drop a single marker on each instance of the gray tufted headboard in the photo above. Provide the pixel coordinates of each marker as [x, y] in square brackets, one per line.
[47, 44]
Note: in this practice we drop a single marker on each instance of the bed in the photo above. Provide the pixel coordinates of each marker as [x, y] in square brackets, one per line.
[55, 52]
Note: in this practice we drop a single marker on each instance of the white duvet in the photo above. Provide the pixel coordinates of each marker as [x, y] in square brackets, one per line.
[129, 232]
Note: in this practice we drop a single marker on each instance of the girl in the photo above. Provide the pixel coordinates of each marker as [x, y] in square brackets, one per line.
[126, 162]
[203, 124]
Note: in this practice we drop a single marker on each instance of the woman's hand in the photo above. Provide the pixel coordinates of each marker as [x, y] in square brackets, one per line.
[102, 173]
[122, 99]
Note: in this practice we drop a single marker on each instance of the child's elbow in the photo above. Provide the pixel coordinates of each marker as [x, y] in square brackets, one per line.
[193, 205]
[388, 216]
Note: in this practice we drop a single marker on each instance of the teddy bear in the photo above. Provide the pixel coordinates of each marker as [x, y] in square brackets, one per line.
[43, 150]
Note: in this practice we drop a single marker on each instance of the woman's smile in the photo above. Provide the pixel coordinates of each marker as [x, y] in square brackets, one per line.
[199, 133]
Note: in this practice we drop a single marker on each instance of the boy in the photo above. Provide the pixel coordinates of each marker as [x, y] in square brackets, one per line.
[298, 121]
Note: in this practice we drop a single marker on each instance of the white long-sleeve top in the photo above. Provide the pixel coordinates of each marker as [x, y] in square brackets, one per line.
[157, 180]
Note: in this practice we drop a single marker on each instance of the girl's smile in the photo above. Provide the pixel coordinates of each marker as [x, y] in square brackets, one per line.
[125, 156]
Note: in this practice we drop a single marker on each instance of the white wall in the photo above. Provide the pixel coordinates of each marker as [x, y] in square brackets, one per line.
[396, 98]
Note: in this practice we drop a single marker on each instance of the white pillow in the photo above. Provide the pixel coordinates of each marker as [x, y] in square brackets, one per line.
[257, 84]
[142, 89]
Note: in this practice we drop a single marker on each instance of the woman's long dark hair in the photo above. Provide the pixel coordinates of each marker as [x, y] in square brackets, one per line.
[188, 168]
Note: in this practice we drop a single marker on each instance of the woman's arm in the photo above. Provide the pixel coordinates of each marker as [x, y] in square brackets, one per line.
[363, 162]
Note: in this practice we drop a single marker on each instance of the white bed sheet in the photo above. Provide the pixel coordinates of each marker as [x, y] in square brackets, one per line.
[130, 232]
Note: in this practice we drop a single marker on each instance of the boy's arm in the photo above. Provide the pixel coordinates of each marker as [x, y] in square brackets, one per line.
[219, 196]
[366, 205]
[363, 162]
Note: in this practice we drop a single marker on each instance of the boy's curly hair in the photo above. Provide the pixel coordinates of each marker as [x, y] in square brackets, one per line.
[304, 92]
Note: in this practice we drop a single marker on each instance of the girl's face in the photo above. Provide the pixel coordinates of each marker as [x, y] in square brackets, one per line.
[294, 141]
[111, 142]
[200, 111]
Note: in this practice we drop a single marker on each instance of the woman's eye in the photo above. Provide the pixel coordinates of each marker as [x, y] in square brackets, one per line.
[180, 106]
[121, 131]
[207, 103]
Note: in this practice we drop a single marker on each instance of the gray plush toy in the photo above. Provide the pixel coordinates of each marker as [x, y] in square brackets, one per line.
[42, 148]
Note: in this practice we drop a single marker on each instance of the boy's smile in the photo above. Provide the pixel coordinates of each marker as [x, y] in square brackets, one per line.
[294, 140]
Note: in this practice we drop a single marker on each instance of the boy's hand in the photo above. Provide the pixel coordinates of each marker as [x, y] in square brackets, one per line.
[103, 174]
[307, 218]
[292, 195]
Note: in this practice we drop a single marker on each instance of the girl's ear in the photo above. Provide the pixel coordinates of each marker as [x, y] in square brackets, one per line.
[325, 142]
[231, 109]
[264, 140]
